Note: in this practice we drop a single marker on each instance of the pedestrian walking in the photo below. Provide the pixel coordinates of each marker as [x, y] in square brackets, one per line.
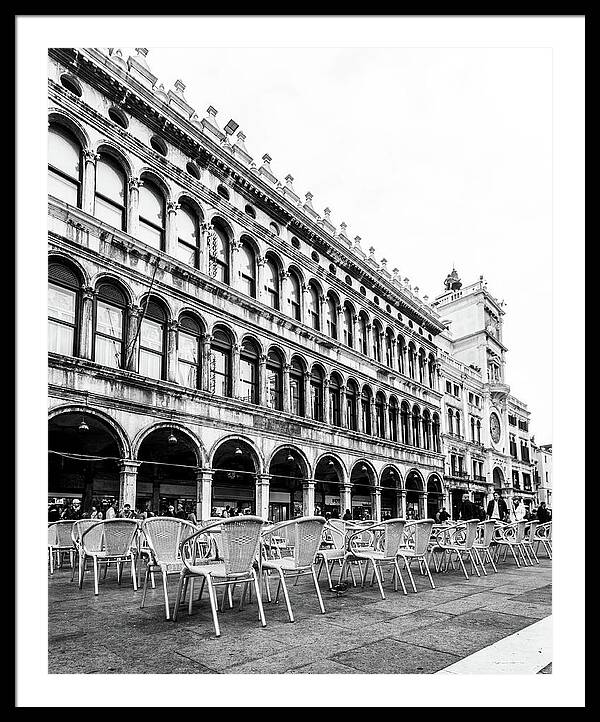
[347, 515]
[496, 508]
[111, 512]
[543, 513]
[518, 509]
[442, 516]
[468, 510]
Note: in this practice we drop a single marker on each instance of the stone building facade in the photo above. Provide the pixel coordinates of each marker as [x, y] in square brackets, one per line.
[215, 340]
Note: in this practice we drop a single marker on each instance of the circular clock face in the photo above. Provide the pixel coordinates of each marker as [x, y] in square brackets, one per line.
[495, 428]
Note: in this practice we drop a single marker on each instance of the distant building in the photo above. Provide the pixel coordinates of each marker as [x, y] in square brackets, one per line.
[543, 472]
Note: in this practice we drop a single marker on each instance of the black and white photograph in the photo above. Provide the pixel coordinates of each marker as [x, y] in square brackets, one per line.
[294, 398]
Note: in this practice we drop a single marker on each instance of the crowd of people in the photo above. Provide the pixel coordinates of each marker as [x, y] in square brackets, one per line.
[498, 509]
[110, 509]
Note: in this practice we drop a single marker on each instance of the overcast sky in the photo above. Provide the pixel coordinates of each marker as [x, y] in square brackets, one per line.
[434, 156]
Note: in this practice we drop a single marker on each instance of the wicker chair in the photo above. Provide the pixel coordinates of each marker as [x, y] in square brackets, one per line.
[511, 536]
[111, 540]
[459, 539]
[529, 539]
[483, 541]
[333, 549]
[384, 542]
[77, 529]
[543, 537]
[226, 563]
[60, 542]
[417, 538]
[303, 537]
[163, 536]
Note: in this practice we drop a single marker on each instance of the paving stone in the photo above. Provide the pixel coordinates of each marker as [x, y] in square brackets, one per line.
[460, 605]
[324, 666]
[391, 656]
[524, 609]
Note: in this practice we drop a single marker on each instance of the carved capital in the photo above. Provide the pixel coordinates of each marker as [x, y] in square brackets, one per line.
[260, 261]
[88, 293]
[90, 156]
[135, 183]
[173, 325]
[172, 207]
[134, 310]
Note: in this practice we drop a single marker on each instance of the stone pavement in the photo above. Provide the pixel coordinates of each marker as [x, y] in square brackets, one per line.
[359, 634]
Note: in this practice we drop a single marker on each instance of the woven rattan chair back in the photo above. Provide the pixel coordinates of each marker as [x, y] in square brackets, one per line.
[393, 537]
[52, 534]
[238, 546]
[334, 532]
[485, 532]
[421, 534]
[63, 533]
[520, 527]
[79, 527]
[164, 535]
[307, 538]
[114, 537]
[530, 530]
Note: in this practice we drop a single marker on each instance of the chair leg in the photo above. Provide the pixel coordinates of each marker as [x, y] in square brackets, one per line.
[428, 573]
[410, 574]
[261, 611]
[212, 596]
[397, 570]
[328, 574]
[491, 559]
[178, 597]
[315, 580]
[96, 576]
[134, 577]
[473, 562]
[266, 585]
[479, 559]
[145, 588]
[376, 572]
[460, 559]
[166, 591]
[320, 567]
[285, 594]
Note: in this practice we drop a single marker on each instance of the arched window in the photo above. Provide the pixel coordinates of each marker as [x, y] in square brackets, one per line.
[335, 410]
[272, 283]
[436, 432]
[478, 431]
[365, 410]
[351, 400]
[412, 360]
[401, 355]
[416, 426]
[450, 421]
[188, 236]
[189, 352]
[472, 428]
[220, 363]
[314, 307]
[153, 341]
[248, 269]
[218, 255]
[316, 393]
[295, 296]
[63, 310]
[422, 362]
[393, 419]
[389, 348]
[109, 326]
[275, 380]
[426, 430]
[457, 419]
[111, 193]
[152, 215]
[297, 387]
[331, 316]
[362, 334]
[377, 332]
[348, 333]
[404, 422]
[431, 371]
[249, 372]
[64, 166]
[379, 415]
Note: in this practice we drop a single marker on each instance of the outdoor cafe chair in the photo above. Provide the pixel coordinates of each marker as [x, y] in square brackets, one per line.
[543, 537]
[384, 539]
[483, 541]
[303, 537]
[459, 539]
[77, 529]
[511, 536]
[60, 542]
[226, 562]
[415, 547]
[163, 536]
[529, 539]
[110, 540]
[333, 549]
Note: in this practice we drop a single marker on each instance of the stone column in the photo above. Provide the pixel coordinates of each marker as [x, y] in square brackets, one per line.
[262, 495]
[133, 337]
[262, 380]
[376, 497]
[307, 401]
[133, 207]
[89, 181]
[171, 230]
[346, 497]
[172, 328]
[235, 370]
[354, 320]
[322, 324]
[205, 369]
[372, 415]
[369, 339]
[326, 409]
[204, 479]
[260, 275]
[423, 505]
[401, 503]
[128, 470]
[386, 421]
[343, 419]
[308, 498]
[286, 388]
[87, 322]
[234, 273]
[304, 301]
[206, 229]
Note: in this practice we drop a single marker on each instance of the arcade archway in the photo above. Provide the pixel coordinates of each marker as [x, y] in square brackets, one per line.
[435, 496]
[234, 479]
[362, 478]
[288, 471]
[414, 496]
[329, 476]
[390, 482]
